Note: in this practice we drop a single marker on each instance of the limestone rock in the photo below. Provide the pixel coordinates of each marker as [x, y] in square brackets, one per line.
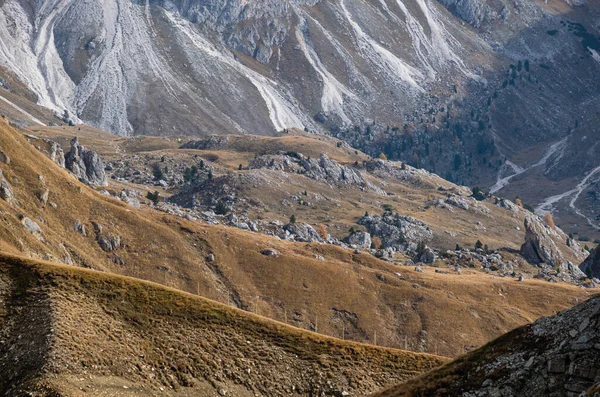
[57, 154]
[591, 266]
[397, 231]
[539, 247]
[85, 164]
[359, 240]
[301, 232]
[6, 192]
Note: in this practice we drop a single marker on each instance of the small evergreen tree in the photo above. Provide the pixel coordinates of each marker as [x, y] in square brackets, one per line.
[154, 197]
[293, 219]
[478, 245]
[157, 172]
[221, 208]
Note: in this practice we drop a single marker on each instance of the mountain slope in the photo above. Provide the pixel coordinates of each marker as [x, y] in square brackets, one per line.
[94, 332]
[555, 356]
[314, 286]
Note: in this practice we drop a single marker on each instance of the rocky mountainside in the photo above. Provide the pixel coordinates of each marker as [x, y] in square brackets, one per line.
[496, 93]
[555, 356]
[318, 273]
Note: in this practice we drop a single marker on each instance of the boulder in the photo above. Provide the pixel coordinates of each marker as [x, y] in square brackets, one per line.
[539, 247]
[302, 232]
[359, 240]
[397, 231]
[85, 164]
[270, 252]
[4, 158]
[6, 192]
[33, 228]
[427, 256]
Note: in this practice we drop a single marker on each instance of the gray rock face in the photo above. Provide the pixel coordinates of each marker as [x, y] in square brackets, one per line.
[108, 242]
[359, 240]
[591, 266]
[4, 158]
[6, 192]
[397, 231]
[556, 356]
[32, 227]
[474, 12]
[323, 169]
[540, 248]
[85, 164]
[57, 154]
[427, 256]
[302, 232]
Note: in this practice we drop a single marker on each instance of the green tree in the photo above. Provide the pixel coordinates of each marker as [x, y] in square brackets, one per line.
[478, 244]
[157, 172]
[154, 197]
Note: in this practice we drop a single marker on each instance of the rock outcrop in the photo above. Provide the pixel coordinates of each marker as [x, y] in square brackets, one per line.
[323, 169]
[57, 154]
[399, 232]
[301, 232]
[359, 240]
[85, 164]
[553, 357]
[540, 248]
[591, 266]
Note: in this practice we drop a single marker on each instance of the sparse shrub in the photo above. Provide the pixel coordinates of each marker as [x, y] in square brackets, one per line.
[352, 230]
[403, 166]
[376, 243]
[518, 202]
[210, 174]
[388, 208]
[458, 248]
[366, 213]
[291, 153]
[240, 167]
[322, 230]
[549, 220]
[584, 238]
[478, 245]
[293, 219]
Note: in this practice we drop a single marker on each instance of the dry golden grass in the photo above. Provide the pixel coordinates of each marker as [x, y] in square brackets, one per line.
[341, 296]
[152, 337]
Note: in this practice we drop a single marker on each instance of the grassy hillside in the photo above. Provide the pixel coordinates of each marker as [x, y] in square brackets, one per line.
[346, 295]
[75, 331]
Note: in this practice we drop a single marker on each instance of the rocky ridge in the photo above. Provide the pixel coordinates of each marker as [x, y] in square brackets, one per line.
[555, 356]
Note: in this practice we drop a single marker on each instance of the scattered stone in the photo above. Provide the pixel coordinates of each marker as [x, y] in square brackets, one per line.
[6, 192]
[270, 252]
